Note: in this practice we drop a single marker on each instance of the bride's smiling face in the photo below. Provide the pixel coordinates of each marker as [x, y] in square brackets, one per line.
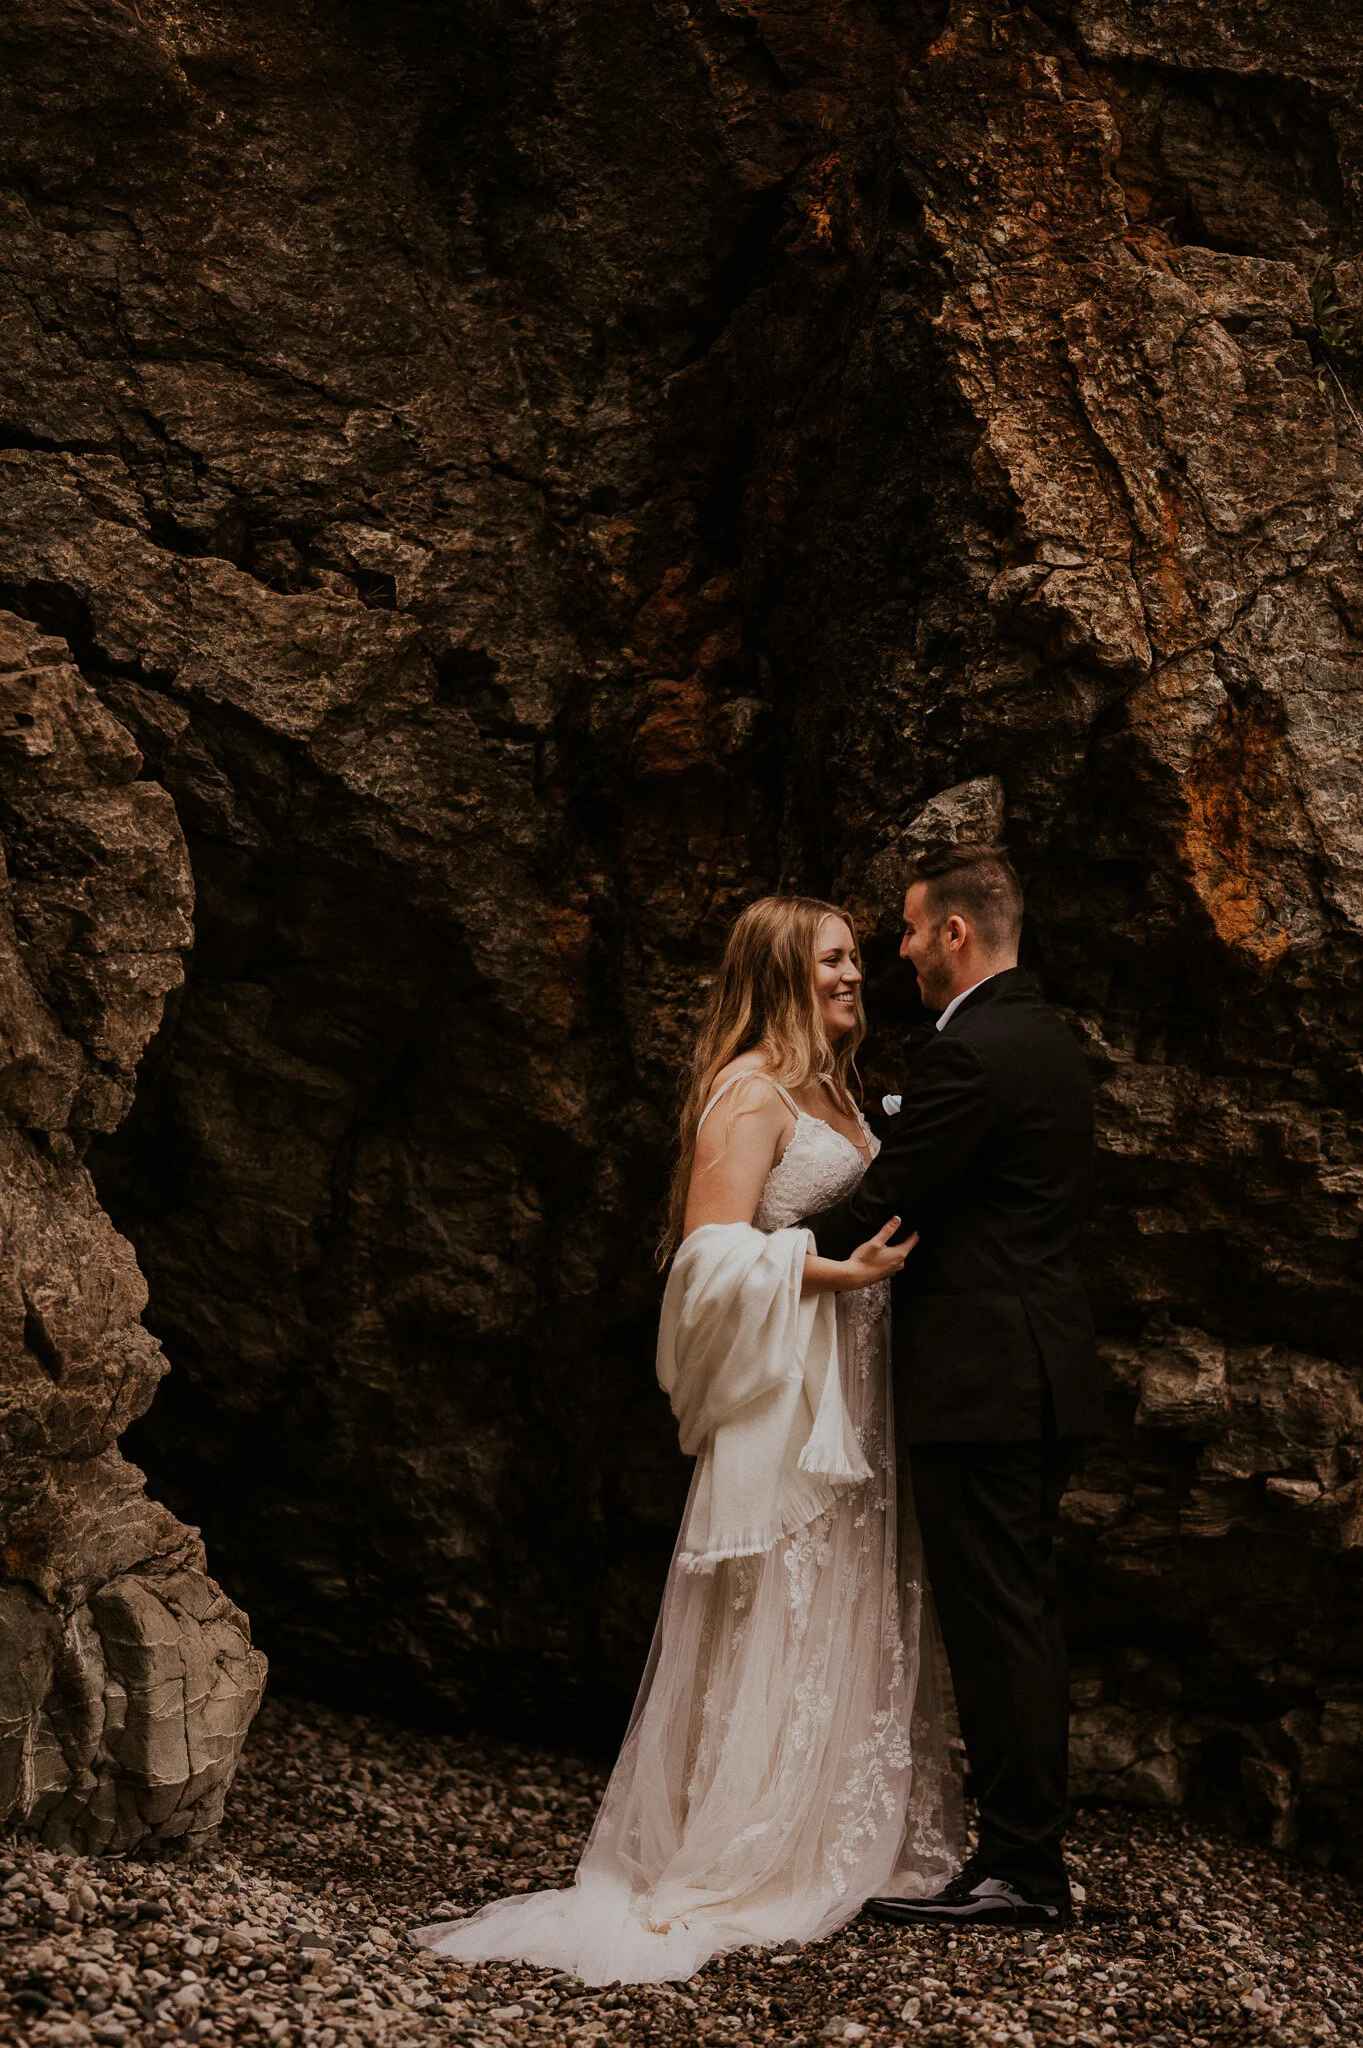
[837, 977]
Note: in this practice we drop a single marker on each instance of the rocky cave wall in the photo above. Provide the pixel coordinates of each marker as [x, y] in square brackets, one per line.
[528, 478]
[127, 1678]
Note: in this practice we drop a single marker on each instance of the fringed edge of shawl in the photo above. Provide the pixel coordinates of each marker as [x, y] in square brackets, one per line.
[754, 1543]
[824, 1463]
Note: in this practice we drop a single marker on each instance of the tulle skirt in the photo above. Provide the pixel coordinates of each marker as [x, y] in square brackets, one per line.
[789, 1754]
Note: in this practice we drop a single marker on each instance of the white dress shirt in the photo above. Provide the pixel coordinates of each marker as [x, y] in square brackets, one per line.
[954, 1005]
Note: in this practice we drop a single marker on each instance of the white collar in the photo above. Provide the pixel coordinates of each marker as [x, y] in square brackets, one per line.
[954, 1005]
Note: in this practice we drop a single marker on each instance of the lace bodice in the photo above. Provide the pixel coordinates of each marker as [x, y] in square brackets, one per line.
[818, 1167]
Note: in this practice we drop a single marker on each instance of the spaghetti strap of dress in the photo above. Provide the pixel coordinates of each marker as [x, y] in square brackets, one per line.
[749, 1074]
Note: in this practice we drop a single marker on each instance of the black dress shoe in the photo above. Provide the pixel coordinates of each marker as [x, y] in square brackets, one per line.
[972, 1899]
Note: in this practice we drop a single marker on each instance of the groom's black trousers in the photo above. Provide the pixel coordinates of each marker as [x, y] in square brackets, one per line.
[988, 1515]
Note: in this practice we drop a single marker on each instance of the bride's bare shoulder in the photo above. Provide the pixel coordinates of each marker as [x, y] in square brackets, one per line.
[744, 1094]
[748, 1081]
[745, 1127]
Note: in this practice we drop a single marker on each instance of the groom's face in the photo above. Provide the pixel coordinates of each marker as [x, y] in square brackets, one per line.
[931, 944]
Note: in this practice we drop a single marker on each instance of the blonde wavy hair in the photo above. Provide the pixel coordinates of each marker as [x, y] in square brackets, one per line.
[762, 1000]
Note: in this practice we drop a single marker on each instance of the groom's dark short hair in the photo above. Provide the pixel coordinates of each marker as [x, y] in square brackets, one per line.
[976, 882]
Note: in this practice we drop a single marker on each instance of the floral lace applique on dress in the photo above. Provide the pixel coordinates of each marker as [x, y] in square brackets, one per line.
[804, 1555]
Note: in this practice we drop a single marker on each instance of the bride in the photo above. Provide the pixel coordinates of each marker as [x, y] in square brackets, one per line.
[787, 1754]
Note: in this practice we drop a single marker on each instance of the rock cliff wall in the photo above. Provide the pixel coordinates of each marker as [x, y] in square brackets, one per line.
[127, 1679]
[530, 477]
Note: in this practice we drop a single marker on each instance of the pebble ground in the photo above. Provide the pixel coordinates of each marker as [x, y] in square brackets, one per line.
[343, 1833]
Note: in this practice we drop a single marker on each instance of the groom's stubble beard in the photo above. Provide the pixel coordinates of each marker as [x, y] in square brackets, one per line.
[934, 973]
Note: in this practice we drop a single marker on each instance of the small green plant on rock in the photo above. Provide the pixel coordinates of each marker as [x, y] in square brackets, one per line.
[1334, 339]
[1335, 332]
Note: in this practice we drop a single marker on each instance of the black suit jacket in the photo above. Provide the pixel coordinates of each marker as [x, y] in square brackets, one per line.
[989, 1160]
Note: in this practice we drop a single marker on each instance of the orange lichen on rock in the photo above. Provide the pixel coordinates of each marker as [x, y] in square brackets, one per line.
[675, 735]
[824, 182]
[1235, 783]
[1174, 615]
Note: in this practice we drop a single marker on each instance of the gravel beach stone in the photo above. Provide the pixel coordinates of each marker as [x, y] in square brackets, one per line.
[343, 1833]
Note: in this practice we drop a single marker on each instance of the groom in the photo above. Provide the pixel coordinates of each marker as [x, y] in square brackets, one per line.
[995, 1369]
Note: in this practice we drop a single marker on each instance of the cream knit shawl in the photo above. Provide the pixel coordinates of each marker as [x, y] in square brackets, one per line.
[751, 1369]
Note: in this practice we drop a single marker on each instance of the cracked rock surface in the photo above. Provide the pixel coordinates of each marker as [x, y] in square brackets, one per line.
[127, 1679]
[528, 478]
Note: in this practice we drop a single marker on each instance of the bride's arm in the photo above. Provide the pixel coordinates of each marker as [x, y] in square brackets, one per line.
[735, 1151]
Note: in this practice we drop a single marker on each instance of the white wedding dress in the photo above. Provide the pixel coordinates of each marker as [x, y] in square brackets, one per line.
[788, 1755]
